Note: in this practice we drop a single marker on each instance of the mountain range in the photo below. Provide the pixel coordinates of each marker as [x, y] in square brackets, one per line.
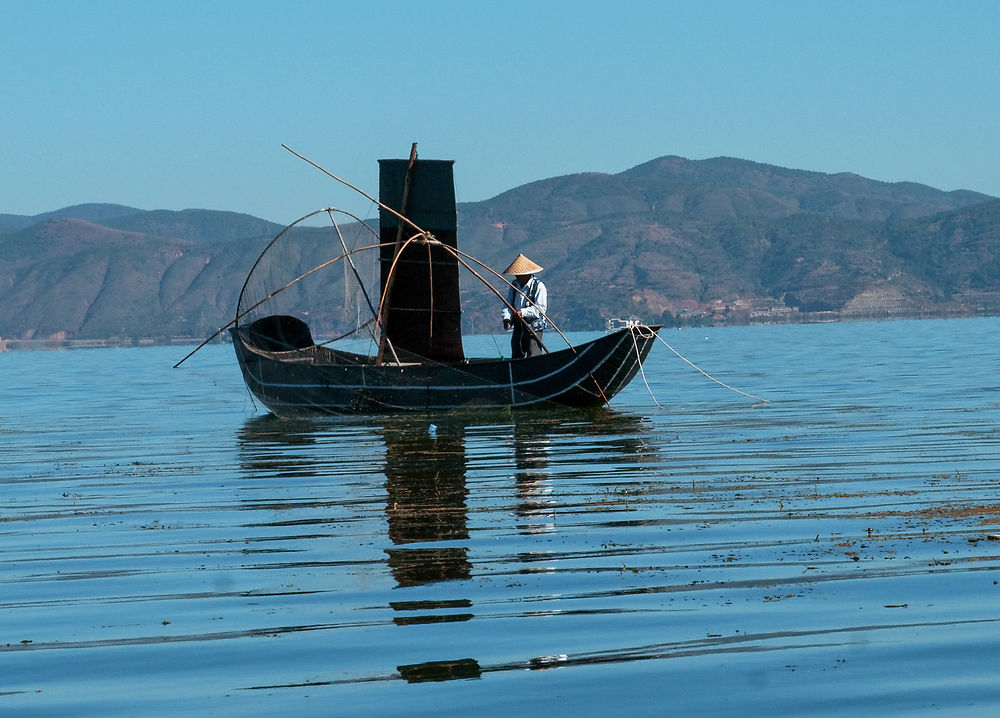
[671, 240]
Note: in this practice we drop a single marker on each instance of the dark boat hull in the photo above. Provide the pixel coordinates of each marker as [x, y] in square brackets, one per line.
[317, 379]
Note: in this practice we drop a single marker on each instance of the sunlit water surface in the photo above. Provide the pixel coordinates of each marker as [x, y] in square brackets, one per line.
[168, 548]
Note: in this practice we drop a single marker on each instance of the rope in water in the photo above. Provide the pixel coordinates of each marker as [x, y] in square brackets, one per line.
[650, 333]
[638, 358]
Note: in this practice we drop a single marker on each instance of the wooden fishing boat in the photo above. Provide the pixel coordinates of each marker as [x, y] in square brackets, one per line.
[313, 378]
[420, 364]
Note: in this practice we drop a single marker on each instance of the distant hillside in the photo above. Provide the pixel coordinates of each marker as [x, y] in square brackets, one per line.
[14, 222]
[956, 252]
[725, 186]
[676, 238]
[670, 240]
[72, 278]
[200, 226]
[99, 213]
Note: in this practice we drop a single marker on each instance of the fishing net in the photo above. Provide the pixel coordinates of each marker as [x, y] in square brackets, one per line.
[324, 277]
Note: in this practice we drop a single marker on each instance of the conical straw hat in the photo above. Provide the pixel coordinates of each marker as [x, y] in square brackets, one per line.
[522, 265]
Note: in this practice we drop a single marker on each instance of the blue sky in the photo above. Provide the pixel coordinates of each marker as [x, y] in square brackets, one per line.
[174, 105]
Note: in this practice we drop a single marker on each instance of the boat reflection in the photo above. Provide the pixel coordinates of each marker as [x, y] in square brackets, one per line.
[426, 464]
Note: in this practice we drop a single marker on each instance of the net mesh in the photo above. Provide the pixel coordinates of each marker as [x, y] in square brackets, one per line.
[318, 275]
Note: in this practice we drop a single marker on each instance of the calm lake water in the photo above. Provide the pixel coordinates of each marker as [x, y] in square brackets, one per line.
[167, 547]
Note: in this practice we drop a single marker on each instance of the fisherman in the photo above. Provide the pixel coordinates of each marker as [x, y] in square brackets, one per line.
[527, 303]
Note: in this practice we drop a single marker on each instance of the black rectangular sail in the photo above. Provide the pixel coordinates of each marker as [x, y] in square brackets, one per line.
[422, 313]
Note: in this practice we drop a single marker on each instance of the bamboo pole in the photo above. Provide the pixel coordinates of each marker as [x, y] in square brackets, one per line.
[356, 189]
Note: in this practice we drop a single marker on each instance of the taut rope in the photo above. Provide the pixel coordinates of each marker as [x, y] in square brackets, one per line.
[650, 333]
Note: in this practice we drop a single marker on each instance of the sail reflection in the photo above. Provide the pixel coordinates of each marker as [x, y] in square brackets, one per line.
[426, 494]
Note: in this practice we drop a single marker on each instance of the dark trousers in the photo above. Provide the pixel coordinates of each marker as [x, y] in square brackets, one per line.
[523, 343]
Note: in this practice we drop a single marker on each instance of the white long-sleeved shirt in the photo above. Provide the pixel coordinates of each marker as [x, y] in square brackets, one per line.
[532, 300]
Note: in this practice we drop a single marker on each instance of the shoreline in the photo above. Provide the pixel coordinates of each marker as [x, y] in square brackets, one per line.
[11, 345]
